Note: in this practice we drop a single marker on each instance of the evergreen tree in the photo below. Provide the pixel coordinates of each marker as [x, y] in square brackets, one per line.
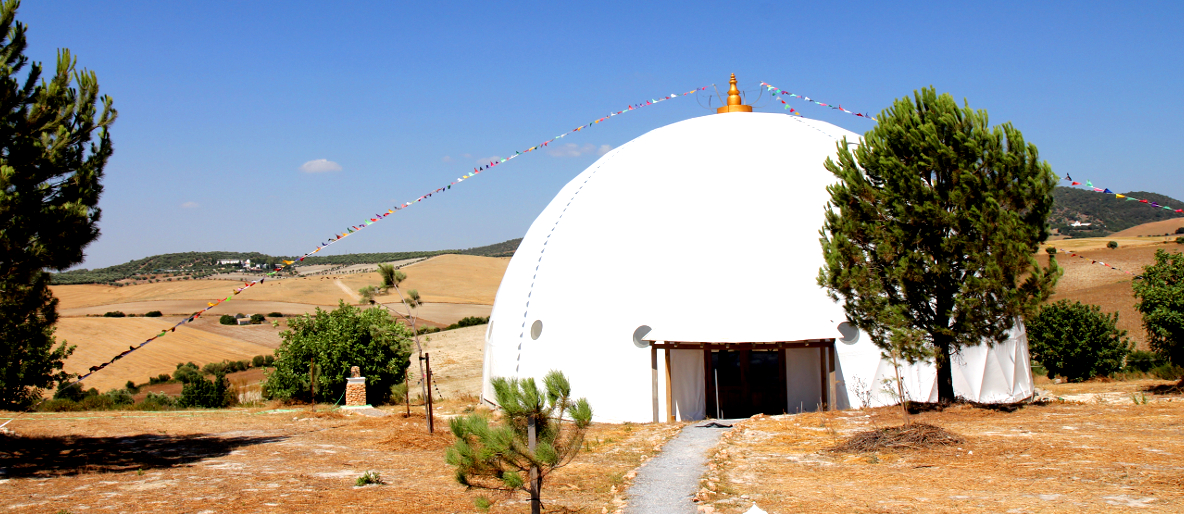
[931, 231]
[532, 441]
[50, 171]
[1160, 291]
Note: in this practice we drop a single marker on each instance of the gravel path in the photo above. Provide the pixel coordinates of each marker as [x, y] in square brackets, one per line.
[667, 483]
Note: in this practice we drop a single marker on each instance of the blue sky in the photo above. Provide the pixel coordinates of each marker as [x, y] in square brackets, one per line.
[222, 103]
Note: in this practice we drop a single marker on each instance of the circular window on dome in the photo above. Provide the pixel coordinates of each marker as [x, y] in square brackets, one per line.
[639, 334]
[849, 332]
[536, 329]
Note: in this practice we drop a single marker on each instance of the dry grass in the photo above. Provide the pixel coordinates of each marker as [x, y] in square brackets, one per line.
[1095, 284]
[1155, 228]
[455, 278]
[270, 461]
[1090, 456]
[915, 436]
[98, 339]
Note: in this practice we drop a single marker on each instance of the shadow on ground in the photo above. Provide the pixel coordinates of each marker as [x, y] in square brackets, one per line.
[70, 455]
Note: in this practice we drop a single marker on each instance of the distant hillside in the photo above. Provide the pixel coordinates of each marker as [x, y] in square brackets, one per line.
[504, 249]
[190, 265]
[1105, 213]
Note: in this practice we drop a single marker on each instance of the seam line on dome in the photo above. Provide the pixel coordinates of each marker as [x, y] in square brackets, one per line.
[530, 290]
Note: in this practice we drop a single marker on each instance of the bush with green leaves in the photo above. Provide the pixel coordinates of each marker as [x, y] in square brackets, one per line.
[257, 361]
[114, 314]
[469, 321]
[1160, 294]
[1180, 240]
[187, 373]
[226, 319]
[1112, 245]
[153, 314]
[274, 315]
[256, 319]
[332, 342]
[1180, 230]
[1143, 361]
[156, 401]
[1077, 341]
[209, 394]
[119, 397]
[502, 457]
[160, 379]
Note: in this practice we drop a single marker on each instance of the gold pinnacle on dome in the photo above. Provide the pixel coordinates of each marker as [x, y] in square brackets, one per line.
[734, 102]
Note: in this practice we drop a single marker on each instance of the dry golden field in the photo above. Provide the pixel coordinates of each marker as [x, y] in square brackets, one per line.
[99, 339]
[1155, 228]
[1095, 284]
[455, 286]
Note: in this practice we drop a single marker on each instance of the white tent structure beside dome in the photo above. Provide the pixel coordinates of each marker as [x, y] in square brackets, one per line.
[676, 278]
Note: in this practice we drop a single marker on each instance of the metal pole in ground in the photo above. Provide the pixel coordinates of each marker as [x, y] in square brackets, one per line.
[427, 361]
[536, 504]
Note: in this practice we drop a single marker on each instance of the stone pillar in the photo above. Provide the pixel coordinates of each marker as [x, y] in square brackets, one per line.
[355, 388]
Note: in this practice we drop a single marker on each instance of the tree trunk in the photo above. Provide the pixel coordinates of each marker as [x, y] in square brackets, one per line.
[536, 504]
[945, 371]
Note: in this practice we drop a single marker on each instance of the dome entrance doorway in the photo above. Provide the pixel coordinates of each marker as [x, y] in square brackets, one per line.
[739, 380]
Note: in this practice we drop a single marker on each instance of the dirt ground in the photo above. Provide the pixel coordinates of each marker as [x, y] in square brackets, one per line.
[279, 460]
[1100, 453]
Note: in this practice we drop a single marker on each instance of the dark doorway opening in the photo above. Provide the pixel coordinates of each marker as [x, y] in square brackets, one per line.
[747, 382]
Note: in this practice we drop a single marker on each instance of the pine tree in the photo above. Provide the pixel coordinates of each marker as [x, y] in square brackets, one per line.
[50, 172]
[532, 442]
[932, 228]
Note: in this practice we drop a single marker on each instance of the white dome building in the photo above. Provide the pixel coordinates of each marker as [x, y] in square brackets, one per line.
[676, 278]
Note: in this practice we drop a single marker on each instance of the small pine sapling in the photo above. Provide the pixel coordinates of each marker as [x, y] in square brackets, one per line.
[542, 430]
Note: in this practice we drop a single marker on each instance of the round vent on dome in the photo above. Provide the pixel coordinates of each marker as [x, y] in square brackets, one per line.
[536, 329]
[639, 334]
[849, 332]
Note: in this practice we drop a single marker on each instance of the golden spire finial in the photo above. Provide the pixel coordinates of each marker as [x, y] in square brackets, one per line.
[735, 104]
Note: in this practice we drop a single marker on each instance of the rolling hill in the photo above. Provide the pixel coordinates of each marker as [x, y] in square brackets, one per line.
[190, 265]
[1105, 213]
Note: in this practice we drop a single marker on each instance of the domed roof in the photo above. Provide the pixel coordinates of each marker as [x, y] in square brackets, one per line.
[705, 230]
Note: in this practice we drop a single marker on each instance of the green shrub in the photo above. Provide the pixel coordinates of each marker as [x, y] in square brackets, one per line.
[1077, 341]
[114, 314]
[153, 314]
[258, 361]
[156, 401]
[1168, 371]
[60, 405]
[1180, 240]
[1160, 295]
[367, 478]
[202, 393]
[187, 373]
[335, 341]
[274, 315]
[1180, 230]
[131, 387]
[97, 402]
[469, 322]
[226, 319]
[256, 319]
[268, 360]
[212, 368]
[1112, 245]
[1143, 361]
[399, 392]
[159, 379]
[119, 397]
[1050, 250]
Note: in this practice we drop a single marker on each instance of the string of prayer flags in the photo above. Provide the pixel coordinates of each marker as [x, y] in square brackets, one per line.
[1100, 263]
[1151, 203]
[777, 91]
[353, 229]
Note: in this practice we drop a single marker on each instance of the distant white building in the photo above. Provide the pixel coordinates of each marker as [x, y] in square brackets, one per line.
[244, 263]
[1079, 224]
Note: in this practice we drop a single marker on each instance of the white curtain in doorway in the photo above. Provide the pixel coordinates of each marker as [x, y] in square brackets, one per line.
[686, 384]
